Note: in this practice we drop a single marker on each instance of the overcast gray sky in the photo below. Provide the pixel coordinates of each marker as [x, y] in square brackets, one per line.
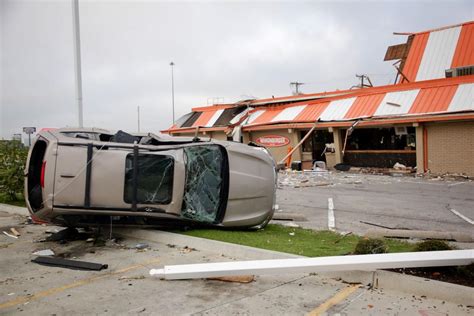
[232, 50]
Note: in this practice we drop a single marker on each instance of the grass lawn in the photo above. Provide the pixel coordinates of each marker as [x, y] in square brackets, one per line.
[6, 200]
[305, 242]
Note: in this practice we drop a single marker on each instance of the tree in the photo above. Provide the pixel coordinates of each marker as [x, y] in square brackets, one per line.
[12, 168]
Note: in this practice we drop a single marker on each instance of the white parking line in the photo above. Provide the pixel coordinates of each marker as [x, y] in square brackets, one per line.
[331, 219]
[467, 219]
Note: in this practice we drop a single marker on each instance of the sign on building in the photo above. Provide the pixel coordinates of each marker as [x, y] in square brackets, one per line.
[273, 141]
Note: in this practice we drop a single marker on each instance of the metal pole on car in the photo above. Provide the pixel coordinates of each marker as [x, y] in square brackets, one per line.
[172, 87]
[77, 58]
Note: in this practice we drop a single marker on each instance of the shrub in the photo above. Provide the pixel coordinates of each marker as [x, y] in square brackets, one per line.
[12, 166]
[370, 246]
[433, 245]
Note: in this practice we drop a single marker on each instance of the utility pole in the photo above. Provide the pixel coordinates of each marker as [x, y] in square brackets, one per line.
[138, 118]
[362, 83]
[77, 58]
[296, 84]
[172, 87]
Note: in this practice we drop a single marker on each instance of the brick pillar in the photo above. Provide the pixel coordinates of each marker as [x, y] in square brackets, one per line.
[419, 149]
[338, 143]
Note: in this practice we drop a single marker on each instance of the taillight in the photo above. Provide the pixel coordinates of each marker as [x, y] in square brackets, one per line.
[43, 169]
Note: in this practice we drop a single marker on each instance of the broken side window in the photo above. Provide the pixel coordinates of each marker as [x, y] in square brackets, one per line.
[154, 179]
[202, 195]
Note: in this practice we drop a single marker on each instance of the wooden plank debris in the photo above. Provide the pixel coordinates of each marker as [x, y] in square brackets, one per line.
[72, 264]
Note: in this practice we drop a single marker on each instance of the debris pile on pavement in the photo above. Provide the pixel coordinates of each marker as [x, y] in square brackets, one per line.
[301, 179]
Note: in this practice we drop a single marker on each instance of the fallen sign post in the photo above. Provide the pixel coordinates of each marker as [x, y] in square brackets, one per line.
[321, 264]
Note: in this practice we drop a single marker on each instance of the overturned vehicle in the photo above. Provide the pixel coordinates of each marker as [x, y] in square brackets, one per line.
[88, 177]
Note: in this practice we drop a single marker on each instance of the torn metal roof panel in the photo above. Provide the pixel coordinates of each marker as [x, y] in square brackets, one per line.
[337, 110]
[214, 118]
[397, 103]
[432, 52]
[463, 99]
[414, 56]
[253, 116]
[289, 113]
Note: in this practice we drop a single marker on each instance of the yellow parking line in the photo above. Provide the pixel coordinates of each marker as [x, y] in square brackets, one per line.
[52, 291]
[340, 296]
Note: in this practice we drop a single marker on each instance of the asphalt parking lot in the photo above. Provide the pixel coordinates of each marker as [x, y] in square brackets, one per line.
[126, 288]
[392, 201]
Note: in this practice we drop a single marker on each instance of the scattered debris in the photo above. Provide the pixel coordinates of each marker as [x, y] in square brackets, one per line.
[65, 234]
[399, 166]
[15, 232]
[90, 239]
[45, 252]
[137, 277]
[343, 236]
[71, 264]
[290, 224]
[141, 246]
[420, 234]
[187, 249]
[10, 235]
[377, 225]
[281, 216]
[292, 234]
[236, 278]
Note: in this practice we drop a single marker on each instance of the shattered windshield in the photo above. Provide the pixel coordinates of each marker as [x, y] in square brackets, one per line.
[154, 179]
[202, 195]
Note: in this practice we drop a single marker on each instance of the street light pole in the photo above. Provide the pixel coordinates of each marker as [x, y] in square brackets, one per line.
[138, 118]
[172, 87]
[77, 58]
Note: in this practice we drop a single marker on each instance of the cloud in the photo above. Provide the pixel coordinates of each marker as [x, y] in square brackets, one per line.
[221, 49]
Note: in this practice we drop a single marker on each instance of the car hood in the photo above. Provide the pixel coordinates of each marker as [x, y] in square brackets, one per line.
[252, 180]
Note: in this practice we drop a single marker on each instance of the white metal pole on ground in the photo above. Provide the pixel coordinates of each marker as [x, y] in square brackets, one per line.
[77, 58]
[322, 264]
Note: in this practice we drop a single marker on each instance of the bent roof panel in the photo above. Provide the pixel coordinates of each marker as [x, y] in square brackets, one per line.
[204, 118]
[337, 110]
[214, 118]
[253, 116]
[463, 99]
[438, 54]
[289, 113]
[415, 54]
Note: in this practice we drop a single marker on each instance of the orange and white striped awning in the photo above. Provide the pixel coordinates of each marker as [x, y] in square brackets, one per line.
[429, 97]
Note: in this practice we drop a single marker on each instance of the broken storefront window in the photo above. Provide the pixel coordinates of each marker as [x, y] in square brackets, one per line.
[202, 195]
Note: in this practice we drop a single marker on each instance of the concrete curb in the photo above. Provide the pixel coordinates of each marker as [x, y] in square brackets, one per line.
[17, 210]
[379, 279]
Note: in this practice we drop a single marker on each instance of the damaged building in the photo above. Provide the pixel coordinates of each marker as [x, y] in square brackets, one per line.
[424, 120]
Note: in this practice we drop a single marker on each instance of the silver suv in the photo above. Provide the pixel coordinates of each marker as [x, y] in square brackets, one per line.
[84, 177]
